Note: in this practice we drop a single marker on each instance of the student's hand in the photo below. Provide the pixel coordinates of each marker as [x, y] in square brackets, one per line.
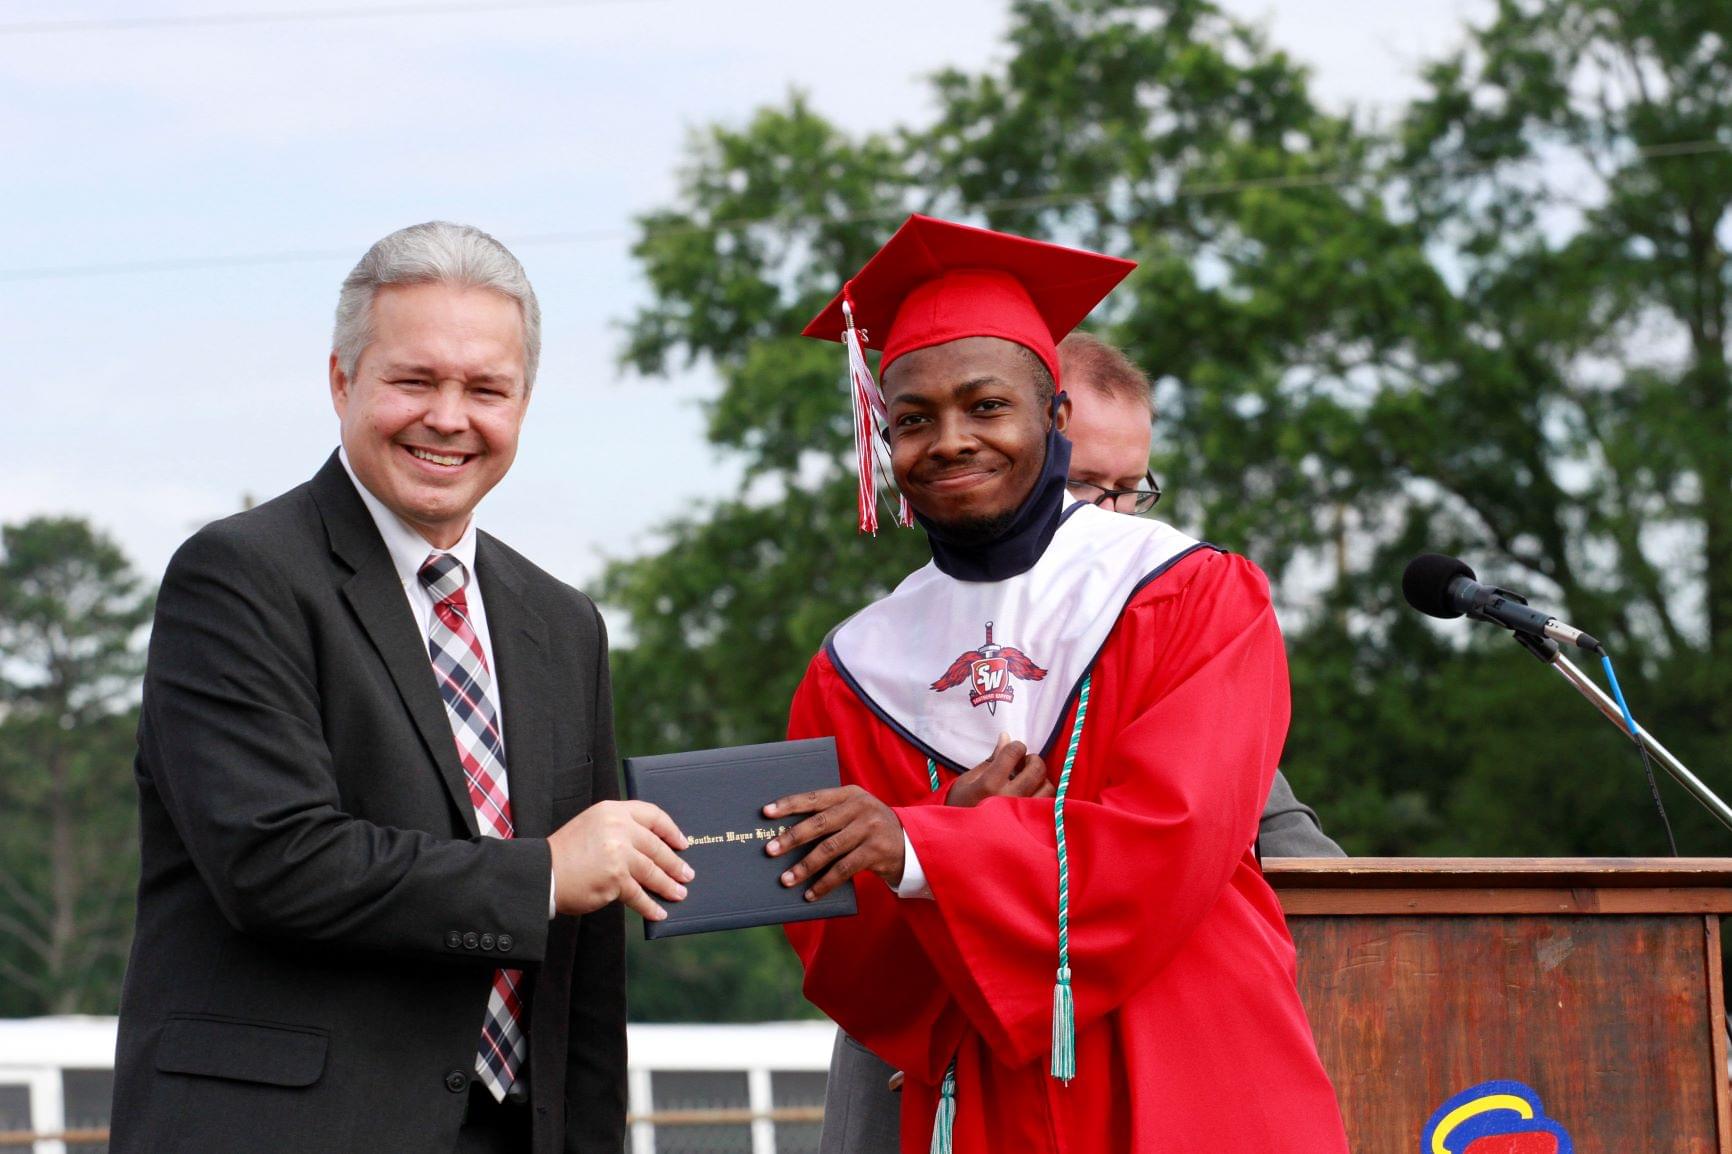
[618, 850]
[854, 832]
[1011, 771]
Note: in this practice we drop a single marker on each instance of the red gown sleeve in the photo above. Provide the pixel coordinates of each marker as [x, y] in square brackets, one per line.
[1188, 712]
[868, 972]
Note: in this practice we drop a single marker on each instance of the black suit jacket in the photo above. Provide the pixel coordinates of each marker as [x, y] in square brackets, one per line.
[318, 920]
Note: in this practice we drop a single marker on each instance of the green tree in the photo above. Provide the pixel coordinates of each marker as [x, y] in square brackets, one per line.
[71, 609]
[1575, 163]
[1582, 147]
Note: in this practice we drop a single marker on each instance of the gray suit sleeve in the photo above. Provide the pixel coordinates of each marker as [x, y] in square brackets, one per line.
[1290, 827]
[861, 1112]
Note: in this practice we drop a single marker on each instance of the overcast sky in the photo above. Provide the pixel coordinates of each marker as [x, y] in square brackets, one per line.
[153, 401]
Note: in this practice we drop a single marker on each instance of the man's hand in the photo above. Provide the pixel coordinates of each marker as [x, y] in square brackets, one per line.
[853, 829]
[620, 850]
[1011, 771]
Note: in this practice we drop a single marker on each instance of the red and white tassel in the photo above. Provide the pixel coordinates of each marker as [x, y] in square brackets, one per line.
[864, 391]
[869, 417]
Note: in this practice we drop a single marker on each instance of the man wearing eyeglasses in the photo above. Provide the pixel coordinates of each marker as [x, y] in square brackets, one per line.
[1110, 431]
[1111, 410]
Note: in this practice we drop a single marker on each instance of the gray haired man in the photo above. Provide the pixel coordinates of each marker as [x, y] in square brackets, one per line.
[1111, 410]
[384, 858]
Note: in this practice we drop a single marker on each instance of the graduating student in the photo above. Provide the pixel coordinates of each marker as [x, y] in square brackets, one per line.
[1110, 433]
[1073, 950]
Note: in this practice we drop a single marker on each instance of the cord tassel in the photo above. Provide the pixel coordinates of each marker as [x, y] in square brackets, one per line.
[1063, 1028]
[1063, 1003]
[944, 1123]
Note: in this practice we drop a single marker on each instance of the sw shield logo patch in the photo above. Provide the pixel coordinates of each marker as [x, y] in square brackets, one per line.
[987, 672]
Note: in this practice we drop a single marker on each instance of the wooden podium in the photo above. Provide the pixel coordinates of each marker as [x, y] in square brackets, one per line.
[1594, 981]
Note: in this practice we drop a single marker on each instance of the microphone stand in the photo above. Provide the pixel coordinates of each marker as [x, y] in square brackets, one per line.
[1547, 651]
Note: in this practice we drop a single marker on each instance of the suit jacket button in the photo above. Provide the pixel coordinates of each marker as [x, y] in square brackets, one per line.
[487, 941]
[505, 943]
[453, 940]
[457, 1081]
[472, 940]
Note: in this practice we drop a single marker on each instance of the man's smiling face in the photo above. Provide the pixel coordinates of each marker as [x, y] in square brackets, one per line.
[968, 429]
[431, 416]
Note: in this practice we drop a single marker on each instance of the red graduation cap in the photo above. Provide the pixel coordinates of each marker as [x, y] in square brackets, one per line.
[936, 281]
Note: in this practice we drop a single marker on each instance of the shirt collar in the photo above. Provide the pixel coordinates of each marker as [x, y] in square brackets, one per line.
[407, 547]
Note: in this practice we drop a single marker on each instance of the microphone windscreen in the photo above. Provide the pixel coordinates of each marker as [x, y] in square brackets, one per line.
[1425, 583]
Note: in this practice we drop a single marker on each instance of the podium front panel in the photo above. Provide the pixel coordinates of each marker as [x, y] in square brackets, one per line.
[1604, 999]
[1604, 1017]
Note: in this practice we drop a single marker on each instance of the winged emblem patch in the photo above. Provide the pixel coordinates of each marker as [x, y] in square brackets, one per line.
[988, 671]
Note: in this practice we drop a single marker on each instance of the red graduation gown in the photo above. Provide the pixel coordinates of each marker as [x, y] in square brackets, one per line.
[1190, 1035]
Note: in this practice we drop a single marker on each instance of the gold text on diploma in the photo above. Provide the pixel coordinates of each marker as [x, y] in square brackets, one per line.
[752, 835]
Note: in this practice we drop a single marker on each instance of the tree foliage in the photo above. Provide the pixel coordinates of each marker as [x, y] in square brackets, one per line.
[1495, 327]
[70, 613]
[1574, 163]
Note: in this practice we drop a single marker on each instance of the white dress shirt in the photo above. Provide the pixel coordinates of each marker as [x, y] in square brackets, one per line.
[913, 883]
[409, 551]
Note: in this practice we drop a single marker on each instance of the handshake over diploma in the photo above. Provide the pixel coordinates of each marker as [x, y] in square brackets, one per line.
[785, 861]
[732, 838]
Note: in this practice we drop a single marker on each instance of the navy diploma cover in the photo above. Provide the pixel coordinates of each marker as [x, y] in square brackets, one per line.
[717, 798]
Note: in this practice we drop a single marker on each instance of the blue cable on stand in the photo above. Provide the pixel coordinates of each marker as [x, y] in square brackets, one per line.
[1636, 736]
[1618, 694]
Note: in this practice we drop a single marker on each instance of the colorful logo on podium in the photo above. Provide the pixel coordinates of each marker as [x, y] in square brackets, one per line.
[1494, 1118]
[987, 672]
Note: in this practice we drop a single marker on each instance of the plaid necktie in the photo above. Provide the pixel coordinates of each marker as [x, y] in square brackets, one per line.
[464, 683]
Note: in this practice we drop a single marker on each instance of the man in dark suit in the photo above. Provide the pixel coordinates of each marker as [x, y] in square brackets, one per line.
[383, 855]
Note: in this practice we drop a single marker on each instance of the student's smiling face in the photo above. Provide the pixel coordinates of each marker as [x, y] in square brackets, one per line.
[968, 428]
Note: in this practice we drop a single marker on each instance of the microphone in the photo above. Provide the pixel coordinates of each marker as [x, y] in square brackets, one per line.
[1440, 586]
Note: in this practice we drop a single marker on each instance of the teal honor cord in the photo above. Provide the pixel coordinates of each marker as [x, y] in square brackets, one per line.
[1063, 1003]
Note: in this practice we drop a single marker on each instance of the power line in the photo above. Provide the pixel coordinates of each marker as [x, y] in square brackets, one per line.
[1293, 182]
[304, 16]
[171, 264]
[257, 259]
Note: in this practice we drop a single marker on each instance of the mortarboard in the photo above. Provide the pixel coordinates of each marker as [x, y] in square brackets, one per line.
[935, 281]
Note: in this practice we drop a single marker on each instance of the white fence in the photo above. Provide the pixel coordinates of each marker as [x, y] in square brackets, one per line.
[746, 1089]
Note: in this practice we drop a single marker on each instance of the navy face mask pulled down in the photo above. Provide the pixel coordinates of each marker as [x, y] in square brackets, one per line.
[1020, 545]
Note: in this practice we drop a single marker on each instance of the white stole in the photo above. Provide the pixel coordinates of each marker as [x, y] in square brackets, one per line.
[952, 664]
